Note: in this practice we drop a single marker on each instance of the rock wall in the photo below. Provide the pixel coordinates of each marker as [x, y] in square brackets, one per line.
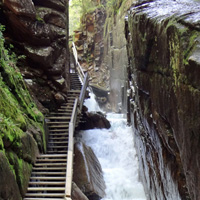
[39, 30]
[115, 54]
[102, 50]
[163, 45]
[21, 128]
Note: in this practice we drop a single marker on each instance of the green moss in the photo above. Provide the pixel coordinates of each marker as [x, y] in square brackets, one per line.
[16, 105]
[1, 144]
[11, 165]
[192, 43]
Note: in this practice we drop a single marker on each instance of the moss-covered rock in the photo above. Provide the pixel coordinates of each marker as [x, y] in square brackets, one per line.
[21, 128]
[8, 185]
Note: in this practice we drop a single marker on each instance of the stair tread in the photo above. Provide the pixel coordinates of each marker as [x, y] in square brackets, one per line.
[64, 151]
[49, 155]
[48, 168]
[61, 142]
[57, 126]
[49, 164]
[48, 173]
[39, 198]
[59, 130]
[45, 194]
[51, 160]
[46, 183]
[57, 146]
[32, 198]
[46, 188]
[48, 178]
[56, 117]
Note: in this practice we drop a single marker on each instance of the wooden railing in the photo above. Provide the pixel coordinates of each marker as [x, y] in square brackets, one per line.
[78, 66]
[70, 154]
[72, 125]
[83, 90]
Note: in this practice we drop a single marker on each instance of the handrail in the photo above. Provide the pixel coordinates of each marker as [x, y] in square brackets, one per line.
[70, 153]
[83, 90]
[78, 66]
[77, 107]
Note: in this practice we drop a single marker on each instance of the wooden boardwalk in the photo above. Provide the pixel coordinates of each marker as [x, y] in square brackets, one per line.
[52, 172]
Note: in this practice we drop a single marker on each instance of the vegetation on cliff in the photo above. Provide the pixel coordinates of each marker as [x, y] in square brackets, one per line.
[21, 123]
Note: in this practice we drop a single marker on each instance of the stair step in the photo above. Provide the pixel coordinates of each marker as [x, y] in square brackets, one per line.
[50, 156]
[48, 168]
[47, 183]
[59, 122]
[50, 160]
[57, 135]
[59, 139]
[46, 188]
[45, 195]
[74, 91]
[59, 130]
[60, 142]
[56, 151]
[63, 118]
[49, 164]
[57, 147]
[60, 113]
[30, 198]
[48, 173]
[64, 110]
[58, 126]
[48, 178]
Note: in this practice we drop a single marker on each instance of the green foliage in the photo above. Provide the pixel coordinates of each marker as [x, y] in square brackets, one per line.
[75, 11]
[17, 108]
[79, 8]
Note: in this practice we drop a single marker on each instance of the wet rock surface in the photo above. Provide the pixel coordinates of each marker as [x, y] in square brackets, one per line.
[88, 174]
[163, 44]
[38, 30]
[77, 194]
[8, 186]
[91, 120]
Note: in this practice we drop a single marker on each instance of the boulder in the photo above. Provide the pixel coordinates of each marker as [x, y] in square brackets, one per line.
[24, 7]
[59, 5]
[77, 194]
[88, 174]
[91, 120]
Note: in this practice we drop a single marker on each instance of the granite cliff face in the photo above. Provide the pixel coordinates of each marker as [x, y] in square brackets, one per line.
[102, 51]
[21, 128]
[163, 48]
[38, 30]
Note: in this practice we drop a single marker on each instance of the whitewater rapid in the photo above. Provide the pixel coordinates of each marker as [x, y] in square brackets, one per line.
[115, 150]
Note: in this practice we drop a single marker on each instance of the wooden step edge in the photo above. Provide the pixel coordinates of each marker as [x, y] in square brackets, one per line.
[40, 198]
[48, 178]
[46, 183]
[44, 195]
[49, 155]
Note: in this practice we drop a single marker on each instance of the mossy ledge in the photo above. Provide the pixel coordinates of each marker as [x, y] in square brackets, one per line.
[21, 127]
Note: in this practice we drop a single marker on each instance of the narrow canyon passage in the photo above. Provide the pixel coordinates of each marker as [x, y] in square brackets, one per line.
[115, 150]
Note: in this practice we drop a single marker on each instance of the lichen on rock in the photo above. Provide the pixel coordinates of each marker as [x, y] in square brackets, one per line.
[163, 41]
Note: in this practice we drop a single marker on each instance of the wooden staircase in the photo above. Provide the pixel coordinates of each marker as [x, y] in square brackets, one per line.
[48, 178]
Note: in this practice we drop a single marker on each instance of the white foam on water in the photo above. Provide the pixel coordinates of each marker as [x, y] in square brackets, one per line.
[115, 150]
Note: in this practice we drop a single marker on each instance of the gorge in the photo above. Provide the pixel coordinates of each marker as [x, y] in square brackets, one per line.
[143, 60]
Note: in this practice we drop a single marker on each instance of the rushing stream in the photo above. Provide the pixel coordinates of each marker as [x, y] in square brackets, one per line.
[115, 150]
